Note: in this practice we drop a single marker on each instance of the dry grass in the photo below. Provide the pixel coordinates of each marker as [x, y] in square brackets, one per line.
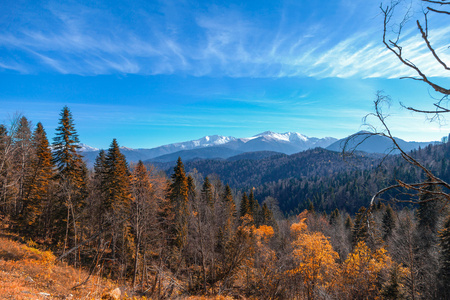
[29, 273]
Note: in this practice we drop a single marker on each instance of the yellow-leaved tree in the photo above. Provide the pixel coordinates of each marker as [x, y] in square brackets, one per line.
[265, 272]
[360, 276]
[315, 259]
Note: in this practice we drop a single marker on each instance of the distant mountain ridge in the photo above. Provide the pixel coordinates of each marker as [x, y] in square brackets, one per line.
[224, 147]
[221, 147]
[367, 142]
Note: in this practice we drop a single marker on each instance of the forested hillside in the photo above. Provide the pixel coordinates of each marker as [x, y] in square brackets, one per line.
[351, 189]
[321, 177]
[168, 237]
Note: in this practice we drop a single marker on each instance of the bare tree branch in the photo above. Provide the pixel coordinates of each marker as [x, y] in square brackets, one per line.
[417, 188]
[438, 11]
[442, 2]
[394, 47]
[425, 38]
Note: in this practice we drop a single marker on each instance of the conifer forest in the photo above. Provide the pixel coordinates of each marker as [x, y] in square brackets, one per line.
[192, 235]
[318, 224]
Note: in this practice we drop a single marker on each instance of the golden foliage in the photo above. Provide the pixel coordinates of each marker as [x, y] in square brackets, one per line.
[315, 258]
[360, 273]
[298, 228]
[264, 232]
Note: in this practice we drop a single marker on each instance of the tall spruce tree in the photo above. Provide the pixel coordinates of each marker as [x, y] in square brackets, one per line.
[245, 205]
[388, 222]
[97, 193]
[365, 230]
[267, 217]
[117, 202]
[428, 210]
[116, 183]
[191, 189]
[178, 197]
[71, 175]
[444, 272]
[39, 194]
[228, 203]
[253, 204]
[228, 220]
[207, 193]
[100, 166]
[65, 150]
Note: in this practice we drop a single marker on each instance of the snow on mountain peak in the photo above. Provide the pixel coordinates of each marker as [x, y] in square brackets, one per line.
[206, 141]
[126, 148]
[86, 148]
[286, 137]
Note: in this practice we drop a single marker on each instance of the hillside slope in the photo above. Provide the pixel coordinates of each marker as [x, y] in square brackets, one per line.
[29, 273]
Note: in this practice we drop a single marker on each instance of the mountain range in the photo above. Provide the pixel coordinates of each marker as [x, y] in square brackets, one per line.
[227, 147]
[217, 146]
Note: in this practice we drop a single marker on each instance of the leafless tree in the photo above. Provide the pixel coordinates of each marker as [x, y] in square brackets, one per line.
[393, 31]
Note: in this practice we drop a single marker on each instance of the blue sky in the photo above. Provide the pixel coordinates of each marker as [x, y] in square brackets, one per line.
[156, 72]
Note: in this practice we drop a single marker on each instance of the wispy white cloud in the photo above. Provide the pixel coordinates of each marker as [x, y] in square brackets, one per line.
[225, 43]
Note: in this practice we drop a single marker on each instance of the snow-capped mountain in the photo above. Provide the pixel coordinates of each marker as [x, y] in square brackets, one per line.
[287, 136]
[207, 141]
[86, 148]
[226, 146]
[217, 146]
[288, 143]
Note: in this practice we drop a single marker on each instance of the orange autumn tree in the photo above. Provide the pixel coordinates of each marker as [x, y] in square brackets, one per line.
[314, 257]
[265, 271]
[362, 271]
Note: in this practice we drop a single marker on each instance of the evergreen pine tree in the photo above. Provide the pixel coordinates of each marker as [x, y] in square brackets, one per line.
[244, 205]
[116, 182]
[71, 175]
[230, 213]
[228, 202]
[98, 192]
[254, 207]
[388, 222]
[178, 197]
[428, 210]
[192, 194]
[311, 207]
[207, 193]
[334, 216]
[100, 166]
[427, 238]
[394, 289]
[65, 150]
[267, 217]
[117, 203]
[39, 194]
[364, 229]
[348, 223]
[444, 272]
